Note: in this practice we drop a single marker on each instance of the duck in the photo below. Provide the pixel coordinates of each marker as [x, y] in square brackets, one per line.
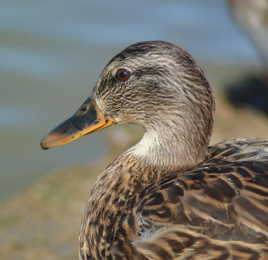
[172, 195]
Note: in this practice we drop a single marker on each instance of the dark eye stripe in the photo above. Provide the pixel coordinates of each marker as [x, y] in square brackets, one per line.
[122, 74]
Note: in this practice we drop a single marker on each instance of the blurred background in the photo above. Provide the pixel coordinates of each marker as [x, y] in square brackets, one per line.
[51, 53]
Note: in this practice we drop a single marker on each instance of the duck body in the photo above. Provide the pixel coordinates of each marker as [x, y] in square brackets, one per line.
[170, 196]
[216, 210]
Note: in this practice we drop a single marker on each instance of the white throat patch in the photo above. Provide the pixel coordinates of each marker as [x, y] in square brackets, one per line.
[147, 147]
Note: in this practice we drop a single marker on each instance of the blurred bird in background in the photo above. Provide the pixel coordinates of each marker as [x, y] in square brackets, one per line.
[252, 18]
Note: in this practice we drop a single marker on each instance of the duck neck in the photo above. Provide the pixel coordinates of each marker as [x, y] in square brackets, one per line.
[172, 147]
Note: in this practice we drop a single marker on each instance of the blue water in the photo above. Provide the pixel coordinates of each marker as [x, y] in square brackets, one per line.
[51, 53]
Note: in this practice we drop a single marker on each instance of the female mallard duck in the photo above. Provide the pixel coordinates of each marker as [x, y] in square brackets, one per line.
[170, 196]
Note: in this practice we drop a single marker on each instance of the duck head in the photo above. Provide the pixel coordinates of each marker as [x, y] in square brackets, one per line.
[154, 84]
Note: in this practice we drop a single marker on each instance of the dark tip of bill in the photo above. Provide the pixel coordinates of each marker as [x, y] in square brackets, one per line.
[43, 146]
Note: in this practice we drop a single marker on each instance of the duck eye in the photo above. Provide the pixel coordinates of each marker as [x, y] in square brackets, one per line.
[122, 75]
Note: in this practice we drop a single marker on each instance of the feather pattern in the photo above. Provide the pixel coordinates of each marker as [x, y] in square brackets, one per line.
[216, 210]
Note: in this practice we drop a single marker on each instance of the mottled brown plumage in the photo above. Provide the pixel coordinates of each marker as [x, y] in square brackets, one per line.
[216, 210]
[170, 196]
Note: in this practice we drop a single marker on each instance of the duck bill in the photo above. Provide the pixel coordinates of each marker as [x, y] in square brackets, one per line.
[86, 120]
